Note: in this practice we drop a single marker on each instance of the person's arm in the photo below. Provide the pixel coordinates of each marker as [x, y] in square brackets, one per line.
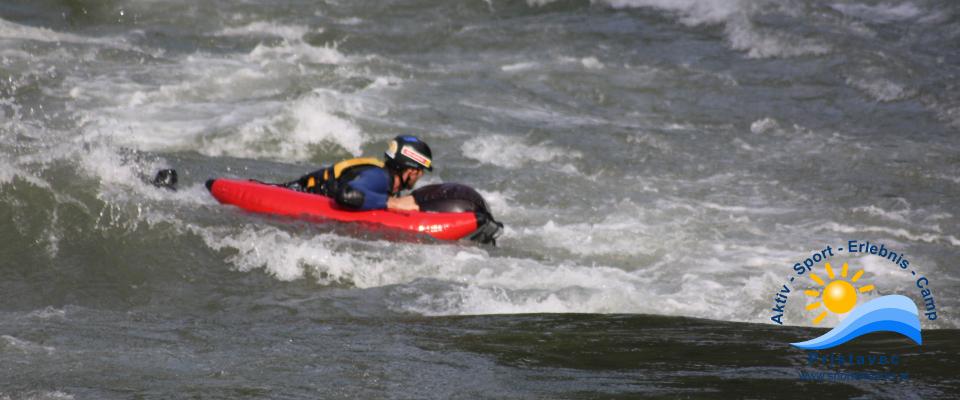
[368, 191]
[403, 203]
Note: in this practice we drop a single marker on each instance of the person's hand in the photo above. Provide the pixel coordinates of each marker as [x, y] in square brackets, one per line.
[403, 203]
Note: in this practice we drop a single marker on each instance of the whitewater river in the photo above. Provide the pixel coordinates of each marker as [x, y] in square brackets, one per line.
[660, 167]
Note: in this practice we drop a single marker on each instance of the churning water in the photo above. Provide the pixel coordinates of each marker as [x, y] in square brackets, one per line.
[655, 157]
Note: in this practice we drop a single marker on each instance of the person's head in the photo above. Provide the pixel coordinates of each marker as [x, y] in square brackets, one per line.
[407, 156]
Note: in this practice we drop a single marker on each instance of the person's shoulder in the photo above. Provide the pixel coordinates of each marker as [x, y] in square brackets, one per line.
[375, 175]
[374, 170]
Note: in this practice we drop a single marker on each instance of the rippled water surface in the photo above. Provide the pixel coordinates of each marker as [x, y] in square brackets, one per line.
[659, 165]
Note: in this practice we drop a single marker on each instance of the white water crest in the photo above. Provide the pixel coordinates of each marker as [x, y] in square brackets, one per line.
[646, 156]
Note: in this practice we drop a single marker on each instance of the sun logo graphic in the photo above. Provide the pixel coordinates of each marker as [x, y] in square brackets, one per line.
[892, 313]
[838, 296]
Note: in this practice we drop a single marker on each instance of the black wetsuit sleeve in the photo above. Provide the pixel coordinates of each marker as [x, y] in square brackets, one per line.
[369, 190]
[349, 197]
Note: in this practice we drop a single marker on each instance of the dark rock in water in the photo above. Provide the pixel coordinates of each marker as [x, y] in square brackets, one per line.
[166, 178]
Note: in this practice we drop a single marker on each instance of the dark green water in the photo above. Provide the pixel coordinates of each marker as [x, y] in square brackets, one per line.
[660, 167]
[576, 356]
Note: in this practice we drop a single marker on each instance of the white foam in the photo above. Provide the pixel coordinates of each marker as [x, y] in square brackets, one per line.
[296, 52]
[279, 253]
[655, 141]
[474, 299]
[8, 172]
[470, 280]
[49, 313]
[882, 12]
[613, 236]
[896, 232]
[900, 217]
[520, 66]
[222, 104]
[501, 203]
[288, 32]
[765, 43]
[591, 63]
[10, 30]
[742, 209]
[328, 257]
[290, 132]
[512, 152]
[764, 125]
[954, 179]
[882, 90]
[127, 199]
[314, 125]
[24, 346]
[734, 15]
[521, 286]
[721, 280]
[23, 166]
[691, 12]
[539, 3]
[108, 165]
[350, 21]
[41, 395]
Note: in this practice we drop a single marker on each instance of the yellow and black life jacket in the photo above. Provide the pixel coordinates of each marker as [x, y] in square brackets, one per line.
[328, 179]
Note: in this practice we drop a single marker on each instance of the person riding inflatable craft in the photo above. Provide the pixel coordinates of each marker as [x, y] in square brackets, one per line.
[368, 190]
[371, 184]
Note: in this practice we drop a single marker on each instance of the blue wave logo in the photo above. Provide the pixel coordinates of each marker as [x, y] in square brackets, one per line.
[894, 313]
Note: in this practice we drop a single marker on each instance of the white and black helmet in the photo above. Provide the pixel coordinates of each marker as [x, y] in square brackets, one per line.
[407, 151]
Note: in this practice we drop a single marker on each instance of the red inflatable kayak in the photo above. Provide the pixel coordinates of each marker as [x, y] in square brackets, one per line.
[269, 199]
